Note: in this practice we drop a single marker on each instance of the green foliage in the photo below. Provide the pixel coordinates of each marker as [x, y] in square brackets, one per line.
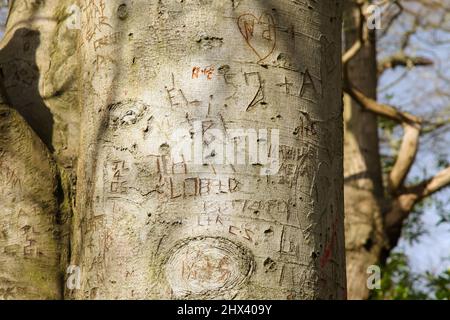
[440, 285]
[399, 283]
[414, 228]
[442, 209]
[387, 124]
[442, 162]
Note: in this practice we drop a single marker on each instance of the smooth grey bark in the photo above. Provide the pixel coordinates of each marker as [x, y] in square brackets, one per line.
[145, 227]
[148, 228]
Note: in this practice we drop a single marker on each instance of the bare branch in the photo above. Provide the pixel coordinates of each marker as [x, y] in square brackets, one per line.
[435, 184]
[430, 127]
[352, 52]
[411, 126]
[403, 61]
[406, 156]
[404, 203]
[393, 18]
[356, 47]
[402, 206]
[380, 109]
[430, 186]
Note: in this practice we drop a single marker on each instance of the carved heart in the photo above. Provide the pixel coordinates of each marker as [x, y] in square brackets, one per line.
[260, 34]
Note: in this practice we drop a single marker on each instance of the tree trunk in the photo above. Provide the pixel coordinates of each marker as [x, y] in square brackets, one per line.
[362, 168]
[150, 226]
[38, 104]
[29, 234]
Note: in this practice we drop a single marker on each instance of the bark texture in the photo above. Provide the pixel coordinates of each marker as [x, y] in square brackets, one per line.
[146, 225]
[29, 233]
[38, 143]
[149, 227]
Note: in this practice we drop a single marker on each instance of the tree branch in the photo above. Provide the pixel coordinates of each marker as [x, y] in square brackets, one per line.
[380, 109]
[406, 156]
[356, 47]
[403, 61]
[435, 184]
[352, 52]
[430, 186]
[411, 126]
[430, 127]
[404, 203]
[393, 18]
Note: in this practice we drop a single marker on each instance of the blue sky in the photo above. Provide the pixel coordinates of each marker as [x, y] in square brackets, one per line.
[422, 91]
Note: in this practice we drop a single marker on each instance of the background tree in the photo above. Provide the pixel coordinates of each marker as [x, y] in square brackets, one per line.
[379, 197]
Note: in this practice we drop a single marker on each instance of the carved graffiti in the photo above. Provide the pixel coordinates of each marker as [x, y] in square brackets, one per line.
[119, 183]
[176, 96]
[207, 266]
[307, 86]
[259, 33]
[95, 18]
[207, 72]
[8, 177]
[259, 97]
[110, 39]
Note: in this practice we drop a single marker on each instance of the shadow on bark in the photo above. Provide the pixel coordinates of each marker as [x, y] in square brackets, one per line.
[20, 82]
